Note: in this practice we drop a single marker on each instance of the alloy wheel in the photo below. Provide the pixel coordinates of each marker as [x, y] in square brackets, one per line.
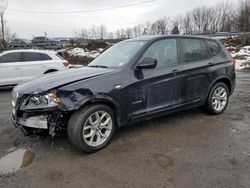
[97, 128]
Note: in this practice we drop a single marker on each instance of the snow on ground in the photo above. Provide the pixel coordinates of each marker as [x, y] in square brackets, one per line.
[80, 52]
[242, 57]
[240, 64]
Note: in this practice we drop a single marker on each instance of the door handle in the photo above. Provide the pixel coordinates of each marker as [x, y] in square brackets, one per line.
[176, 71]
[16, 68]
[210, 64]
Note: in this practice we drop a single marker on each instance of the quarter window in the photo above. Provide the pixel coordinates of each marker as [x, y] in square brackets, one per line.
[194, 50]
[213, 47]
[11, 57]
[164, 51]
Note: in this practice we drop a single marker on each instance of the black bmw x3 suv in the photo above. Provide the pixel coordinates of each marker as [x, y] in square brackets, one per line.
[134, 80]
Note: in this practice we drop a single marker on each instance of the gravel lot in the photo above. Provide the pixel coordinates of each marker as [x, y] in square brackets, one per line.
[185, 149]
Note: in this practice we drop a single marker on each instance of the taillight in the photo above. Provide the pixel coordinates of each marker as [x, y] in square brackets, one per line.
[233, 62]
[66, 63]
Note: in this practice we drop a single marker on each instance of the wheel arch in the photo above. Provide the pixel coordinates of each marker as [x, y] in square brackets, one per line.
[108, 102]
[50, 70]
[224, 79]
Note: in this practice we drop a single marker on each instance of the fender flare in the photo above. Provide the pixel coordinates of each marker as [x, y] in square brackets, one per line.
[215, 81]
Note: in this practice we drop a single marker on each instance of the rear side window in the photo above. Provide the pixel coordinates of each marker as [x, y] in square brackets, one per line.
[34, 56]
[213, 47]
[164, 51]
[11, 57]
[45, 57]
[194, 50]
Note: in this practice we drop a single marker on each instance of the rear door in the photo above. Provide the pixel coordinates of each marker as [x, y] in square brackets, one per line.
[10, 68]
[195, 69]
[34, 64]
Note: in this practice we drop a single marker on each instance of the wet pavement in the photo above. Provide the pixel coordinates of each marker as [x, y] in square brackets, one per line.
[185, 149]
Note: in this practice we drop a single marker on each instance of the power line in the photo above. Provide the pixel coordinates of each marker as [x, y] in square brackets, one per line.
[82, 11]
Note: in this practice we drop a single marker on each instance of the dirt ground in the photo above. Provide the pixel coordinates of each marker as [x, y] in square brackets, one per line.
[185, 149]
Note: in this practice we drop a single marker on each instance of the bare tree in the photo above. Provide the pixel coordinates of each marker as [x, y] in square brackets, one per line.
[110, 35]
[94, 32]
[225, 10]
[118, 34]
[147, 28]
[176, 25]
[129, 33]
[162, 26]
[244, 16]
[138, 30]
[103, 31]
[84, 33]
[3, 7]
[200, 19]
[8, 35]
[187, 24]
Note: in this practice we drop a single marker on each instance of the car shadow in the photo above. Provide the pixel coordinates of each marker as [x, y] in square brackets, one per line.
[61, 141]
[154, 123]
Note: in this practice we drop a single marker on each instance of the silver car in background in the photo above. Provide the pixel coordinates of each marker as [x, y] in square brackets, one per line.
[20, 43]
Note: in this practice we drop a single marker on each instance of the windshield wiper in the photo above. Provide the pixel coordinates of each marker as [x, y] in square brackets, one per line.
[98, 66]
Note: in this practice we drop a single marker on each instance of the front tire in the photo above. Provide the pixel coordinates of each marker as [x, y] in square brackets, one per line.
[91, 128]
[218, 99]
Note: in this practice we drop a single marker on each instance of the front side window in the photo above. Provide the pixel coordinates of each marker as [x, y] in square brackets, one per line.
[164, 51]
[194, 50]
[10, 57]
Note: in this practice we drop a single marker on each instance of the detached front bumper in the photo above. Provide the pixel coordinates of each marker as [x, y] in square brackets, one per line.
[29, 122]
[32, 122]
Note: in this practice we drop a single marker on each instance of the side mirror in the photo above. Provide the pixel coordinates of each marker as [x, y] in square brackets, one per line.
[147, 63]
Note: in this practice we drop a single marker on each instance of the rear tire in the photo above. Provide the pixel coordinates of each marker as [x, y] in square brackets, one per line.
[91, 128]
[218, 99]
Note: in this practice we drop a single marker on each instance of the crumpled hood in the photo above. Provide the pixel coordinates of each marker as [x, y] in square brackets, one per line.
[58, 79]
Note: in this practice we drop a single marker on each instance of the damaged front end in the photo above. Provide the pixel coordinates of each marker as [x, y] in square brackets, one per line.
[38, 113]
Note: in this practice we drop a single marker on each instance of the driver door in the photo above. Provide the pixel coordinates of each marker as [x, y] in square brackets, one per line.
[157, 89]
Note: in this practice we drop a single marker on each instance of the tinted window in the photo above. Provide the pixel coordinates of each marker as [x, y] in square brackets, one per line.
[45, 57]
[194, 50]
[11, 57]
[33, 56]
[214, 48]
[40, 38]
[164, 51]
[58, 55]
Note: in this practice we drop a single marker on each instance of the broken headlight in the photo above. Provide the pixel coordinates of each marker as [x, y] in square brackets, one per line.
[43, 101]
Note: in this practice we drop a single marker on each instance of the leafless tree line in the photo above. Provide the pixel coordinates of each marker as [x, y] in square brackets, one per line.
[227, 16]
[95, 32]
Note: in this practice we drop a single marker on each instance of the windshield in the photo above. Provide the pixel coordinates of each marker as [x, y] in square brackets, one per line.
[118, 55]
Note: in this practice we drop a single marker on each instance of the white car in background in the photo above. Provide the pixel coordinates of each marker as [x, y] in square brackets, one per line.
[17, 66]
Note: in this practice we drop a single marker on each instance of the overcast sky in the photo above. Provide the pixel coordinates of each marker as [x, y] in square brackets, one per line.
[28, 25]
